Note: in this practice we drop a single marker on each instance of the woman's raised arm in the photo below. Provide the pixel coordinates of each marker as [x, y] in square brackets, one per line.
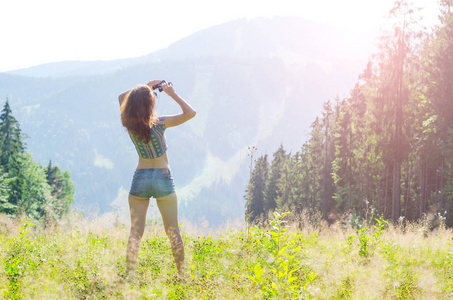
[187, 111]
[122, 96]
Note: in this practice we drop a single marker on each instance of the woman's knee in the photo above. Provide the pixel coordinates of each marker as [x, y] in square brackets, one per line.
[172, 230]
[173, 234]
[137, 232]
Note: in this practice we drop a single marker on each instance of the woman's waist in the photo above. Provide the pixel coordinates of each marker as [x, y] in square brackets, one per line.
[153, 163]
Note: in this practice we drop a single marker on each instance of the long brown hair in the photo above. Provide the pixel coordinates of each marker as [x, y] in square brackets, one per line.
[137, 112]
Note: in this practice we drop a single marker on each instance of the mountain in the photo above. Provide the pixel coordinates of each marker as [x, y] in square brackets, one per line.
[254, 82]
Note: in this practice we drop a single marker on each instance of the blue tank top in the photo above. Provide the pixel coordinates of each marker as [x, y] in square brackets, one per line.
[157, 145]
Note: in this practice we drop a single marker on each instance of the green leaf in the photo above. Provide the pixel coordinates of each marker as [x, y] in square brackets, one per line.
[258, 270]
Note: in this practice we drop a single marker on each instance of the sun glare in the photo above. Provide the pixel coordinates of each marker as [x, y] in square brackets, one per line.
[51, 30]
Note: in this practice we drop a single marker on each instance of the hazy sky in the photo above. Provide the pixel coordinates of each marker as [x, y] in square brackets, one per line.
[33, 32]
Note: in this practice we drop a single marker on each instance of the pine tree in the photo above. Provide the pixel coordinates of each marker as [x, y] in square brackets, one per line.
[342, 165]
[62, 188]
[440, 93]
[51, 174]
[327, 182]
[258, 186]
[285, 183]
[11, 146]
[301, 190]
[272, 191]
[11, 153]
[5, 206]
[394, 61]
[315, 165]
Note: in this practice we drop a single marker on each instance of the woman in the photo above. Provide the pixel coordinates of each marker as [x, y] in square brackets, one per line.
[152, 177]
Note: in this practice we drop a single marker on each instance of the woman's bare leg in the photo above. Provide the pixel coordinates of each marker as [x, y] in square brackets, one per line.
[168, 207]
[138, 208]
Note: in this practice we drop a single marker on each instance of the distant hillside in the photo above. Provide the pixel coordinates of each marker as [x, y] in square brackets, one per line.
[253, 82]
[74, 68]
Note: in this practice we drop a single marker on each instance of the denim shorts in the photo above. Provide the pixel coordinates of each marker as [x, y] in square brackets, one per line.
[155, 183]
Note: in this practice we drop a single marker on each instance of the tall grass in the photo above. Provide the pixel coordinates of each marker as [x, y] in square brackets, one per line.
[84, 258]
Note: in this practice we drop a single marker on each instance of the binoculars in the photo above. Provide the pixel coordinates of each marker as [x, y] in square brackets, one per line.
[159, 86]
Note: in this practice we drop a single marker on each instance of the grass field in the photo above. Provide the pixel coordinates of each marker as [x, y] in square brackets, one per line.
[82, 258]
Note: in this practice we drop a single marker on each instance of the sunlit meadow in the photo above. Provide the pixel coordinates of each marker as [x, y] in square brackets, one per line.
[84, 258]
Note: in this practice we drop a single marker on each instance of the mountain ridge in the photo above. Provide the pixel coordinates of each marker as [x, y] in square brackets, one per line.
[71, 68]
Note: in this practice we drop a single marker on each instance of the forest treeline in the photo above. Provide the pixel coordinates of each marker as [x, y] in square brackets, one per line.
[384, 151]
[27, 188]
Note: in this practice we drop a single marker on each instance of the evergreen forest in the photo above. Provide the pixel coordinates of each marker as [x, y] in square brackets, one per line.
[27, 188]
[386, 150]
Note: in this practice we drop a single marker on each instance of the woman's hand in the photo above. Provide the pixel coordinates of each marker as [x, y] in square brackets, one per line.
[169, 89]
[152, 83]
